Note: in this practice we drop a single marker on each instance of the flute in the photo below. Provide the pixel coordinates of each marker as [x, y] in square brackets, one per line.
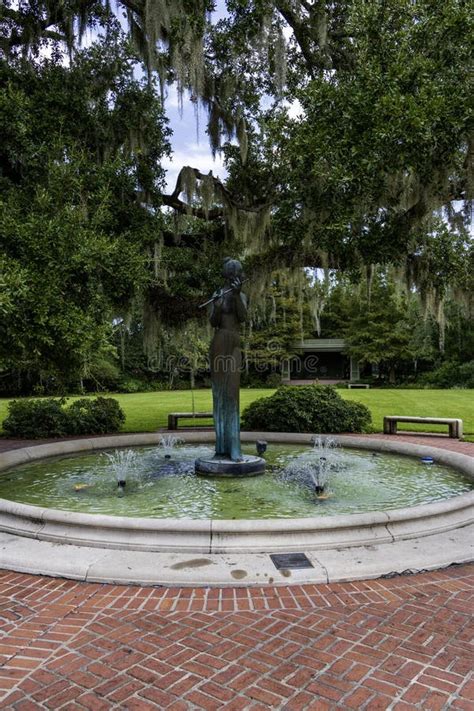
[218, 296]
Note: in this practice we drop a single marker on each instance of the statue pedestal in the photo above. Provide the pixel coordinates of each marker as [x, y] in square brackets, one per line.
[223, 466]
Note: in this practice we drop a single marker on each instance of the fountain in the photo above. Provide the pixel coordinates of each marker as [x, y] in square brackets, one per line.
[298, 479]
[312, 496]
[228, 311]
[168, 444]
[312, 469]
[320, 471]
[317, 473]
[383, 513]
[123, 462]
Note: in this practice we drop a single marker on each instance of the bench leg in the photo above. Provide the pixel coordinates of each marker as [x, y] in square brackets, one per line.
[455, 430]
[172, 422]
[389, 427]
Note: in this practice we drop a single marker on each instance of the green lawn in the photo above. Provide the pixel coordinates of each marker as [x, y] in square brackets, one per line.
[419, 403]
[149, 411]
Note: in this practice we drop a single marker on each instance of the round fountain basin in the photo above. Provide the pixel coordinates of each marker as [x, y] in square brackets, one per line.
[158, 483]
[210, 531]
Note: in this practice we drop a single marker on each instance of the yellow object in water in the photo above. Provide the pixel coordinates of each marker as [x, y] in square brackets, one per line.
[81, 487]
[323, 497]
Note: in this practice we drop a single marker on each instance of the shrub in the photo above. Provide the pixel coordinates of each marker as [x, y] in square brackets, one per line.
[98, 416]
[132, 385]
[313, 408]
[273, 380]
[451, 375]
[104, 374]
[49, 417]
[466, 375]
[36, 418]
[252, 380]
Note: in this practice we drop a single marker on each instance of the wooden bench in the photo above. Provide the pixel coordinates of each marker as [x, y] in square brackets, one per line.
[455, 425]
[358, 385]
[173, 417]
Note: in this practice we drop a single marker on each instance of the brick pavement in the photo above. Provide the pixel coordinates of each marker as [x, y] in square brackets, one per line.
[399, 643]
[431, 440]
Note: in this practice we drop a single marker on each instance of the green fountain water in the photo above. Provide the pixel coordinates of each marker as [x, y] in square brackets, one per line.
[160, 483]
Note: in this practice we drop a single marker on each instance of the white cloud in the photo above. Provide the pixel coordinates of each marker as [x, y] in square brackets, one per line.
[171, 98]
[295, 110]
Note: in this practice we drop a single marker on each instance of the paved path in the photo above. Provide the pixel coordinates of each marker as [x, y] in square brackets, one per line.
[430, 440]
[399, 643]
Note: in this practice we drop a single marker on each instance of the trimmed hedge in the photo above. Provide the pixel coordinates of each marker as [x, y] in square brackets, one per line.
[312, 408]
[95, 416]
[36, 419]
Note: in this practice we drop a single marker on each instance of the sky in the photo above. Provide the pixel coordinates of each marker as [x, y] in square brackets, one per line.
[189, 141]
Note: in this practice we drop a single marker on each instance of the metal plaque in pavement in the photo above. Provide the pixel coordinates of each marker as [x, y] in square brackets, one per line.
[290, 561]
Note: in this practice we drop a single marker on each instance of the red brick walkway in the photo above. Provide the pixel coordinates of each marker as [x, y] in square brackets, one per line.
[430, 440]
[400, 643]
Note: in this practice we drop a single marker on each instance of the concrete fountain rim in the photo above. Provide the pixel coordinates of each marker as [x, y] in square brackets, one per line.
[16, 457]
[176, 539]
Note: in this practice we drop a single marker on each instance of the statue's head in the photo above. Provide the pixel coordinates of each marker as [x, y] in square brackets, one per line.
[232, 268]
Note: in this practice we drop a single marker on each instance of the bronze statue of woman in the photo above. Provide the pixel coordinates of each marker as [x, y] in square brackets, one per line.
[228, 311]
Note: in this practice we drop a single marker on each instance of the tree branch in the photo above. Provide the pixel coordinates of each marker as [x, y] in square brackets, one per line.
[215, 212]
[133, 5]
[300, 34]
[42, 26]
[307, 6]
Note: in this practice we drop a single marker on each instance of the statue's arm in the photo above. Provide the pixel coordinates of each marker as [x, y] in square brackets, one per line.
[241, 307]
[216, 312]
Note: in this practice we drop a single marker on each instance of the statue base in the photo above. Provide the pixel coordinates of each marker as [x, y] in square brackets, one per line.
[223, 466]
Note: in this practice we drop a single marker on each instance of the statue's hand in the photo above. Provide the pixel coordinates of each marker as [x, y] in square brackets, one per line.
[236, 285]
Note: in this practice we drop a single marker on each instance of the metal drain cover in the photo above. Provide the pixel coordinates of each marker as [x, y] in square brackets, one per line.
[290, 561]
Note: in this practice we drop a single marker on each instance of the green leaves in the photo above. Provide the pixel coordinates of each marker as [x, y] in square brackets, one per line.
[74, 221]
[314, 408]
[48, 417]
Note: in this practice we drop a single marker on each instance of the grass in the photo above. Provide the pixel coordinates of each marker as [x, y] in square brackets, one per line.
[149, 411]
[418, 403]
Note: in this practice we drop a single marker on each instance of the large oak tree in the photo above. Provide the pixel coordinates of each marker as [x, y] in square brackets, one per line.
[381, 143]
